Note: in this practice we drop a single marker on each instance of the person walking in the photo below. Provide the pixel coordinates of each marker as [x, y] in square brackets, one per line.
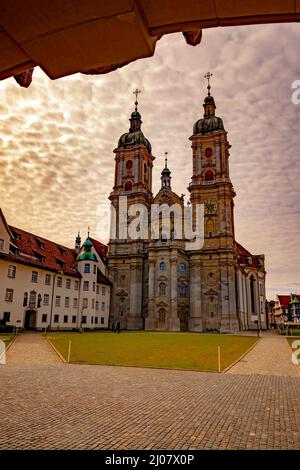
[118, 327]
[113, 327]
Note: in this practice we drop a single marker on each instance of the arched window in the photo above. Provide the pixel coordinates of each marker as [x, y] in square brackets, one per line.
[32, 299]
[128, 186]
[252, 294]
[182, 267]
[162, 315]
[162, 288]
[25, 300]
[209, 176]
[39, 301]
[162, 266]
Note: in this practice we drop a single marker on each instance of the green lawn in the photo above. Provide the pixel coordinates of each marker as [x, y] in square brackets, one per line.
[6, 337]
[192, 351]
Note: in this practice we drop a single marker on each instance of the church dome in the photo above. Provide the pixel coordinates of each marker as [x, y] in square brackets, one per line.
[134, 138]
[135, 135]
[210, 124]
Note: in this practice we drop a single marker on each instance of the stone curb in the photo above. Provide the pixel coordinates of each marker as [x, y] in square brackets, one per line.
[241, 357]
[56, 350]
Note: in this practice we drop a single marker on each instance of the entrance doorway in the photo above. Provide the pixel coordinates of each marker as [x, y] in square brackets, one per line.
[30, 320]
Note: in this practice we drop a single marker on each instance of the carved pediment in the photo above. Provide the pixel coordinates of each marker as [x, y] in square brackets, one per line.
[211, 292]
[162, 304]
[122, 293]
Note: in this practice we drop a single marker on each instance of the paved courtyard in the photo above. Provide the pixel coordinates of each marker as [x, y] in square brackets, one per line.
[31, 348]
[64, 406]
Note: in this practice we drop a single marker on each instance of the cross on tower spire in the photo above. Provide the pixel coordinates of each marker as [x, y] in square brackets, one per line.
[208, 76]
[166, 159]
[136, 93]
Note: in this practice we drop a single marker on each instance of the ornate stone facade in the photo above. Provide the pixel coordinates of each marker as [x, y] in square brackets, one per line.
[159, 284]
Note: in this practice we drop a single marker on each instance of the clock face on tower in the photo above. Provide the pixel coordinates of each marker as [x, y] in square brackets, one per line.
[210, 206]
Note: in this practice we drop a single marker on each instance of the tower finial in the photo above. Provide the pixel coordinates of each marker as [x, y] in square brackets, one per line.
[208, 76]
[88, 232]
[166, 160]
[136, 93]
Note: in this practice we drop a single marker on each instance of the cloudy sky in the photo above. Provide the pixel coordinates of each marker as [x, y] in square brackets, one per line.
[57, 138]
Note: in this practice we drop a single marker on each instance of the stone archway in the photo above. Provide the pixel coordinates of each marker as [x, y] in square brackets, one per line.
[30, 320]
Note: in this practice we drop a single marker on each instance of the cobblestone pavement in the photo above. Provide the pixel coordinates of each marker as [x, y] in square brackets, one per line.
[96, 407]
[272, 355]
[31, 348]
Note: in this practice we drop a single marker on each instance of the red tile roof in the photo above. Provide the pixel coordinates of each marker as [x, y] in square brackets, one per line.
[99, 247]
[37, 251]
[284, 300]
[246, 258]
[53, 256]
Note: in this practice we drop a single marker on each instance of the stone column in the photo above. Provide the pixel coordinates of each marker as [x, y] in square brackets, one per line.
[229, 320]
[174, 322]
[195, 320]
[135, 319]
[150, 323]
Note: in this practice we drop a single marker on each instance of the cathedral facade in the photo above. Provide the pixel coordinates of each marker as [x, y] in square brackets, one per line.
[161, 282]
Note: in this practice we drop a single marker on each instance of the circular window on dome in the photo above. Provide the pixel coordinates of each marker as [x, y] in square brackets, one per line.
[208, 152]
[129, 165]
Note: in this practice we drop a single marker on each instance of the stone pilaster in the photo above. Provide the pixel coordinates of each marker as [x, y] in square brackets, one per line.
[150, 323]
[195, 320]
[174, 322]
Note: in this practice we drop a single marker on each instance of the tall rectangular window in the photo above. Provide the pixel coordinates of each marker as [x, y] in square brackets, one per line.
[48, 280]
[34, 276]
[56, 318]
[87, 268]
[102, 320]
[97, 305]
[46, 299]
[86, 285]
[67, 302]
[103, 306]
[6, 317]
[44, 318]
[9, 295]
[65, 318]
[103, 290]
[98, 289]
[83, 320]
[96, 319]
[76, 285]
[75, 302]
[74, 319]
[59, 281]
[57, 301]
[93, 303]
[94, 286]
[11, 271]
[95, 269]
[68, 284]
[85, 303]
[1, 244]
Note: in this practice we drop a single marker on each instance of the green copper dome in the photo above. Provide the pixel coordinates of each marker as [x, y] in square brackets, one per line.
[204, 125]
[87, 255]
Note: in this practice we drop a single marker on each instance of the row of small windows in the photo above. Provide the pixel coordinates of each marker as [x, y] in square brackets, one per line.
[183, 290]
[87, 268]
[163, 266]
[73, 319]
[59, 283]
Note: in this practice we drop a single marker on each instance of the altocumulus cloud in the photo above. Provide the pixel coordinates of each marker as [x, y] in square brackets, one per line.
[57, 138]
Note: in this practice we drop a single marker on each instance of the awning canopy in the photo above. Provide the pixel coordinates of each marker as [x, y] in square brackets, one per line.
[96, 36]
